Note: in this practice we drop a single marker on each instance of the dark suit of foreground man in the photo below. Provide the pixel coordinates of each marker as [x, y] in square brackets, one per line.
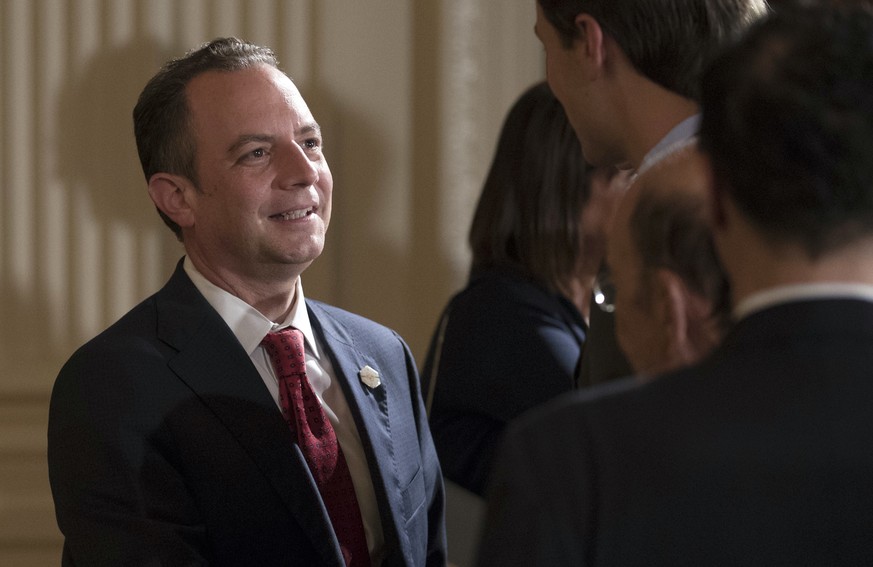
[761, 454]
[166, 444]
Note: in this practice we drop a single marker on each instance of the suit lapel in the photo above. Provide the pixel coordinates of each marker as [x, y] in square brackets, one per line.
[369, 406]
[213, 364]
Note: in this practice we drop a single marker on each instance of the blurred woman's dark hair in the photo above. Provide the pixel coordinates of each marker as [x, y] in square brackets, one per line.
[528, 216]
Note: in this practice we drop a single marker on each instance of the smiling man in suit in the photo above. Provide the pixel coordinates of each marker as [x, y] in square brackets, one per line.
[227, 420]
[761, 454]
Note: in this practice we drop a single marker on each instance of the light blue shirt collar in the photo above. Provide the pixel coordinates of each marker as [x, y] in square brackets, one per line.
[682, 135]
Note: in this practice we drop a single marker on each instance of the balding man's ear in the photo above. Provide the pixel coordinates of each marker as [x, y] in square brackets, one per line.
[173, 195]
[670, 293]
[687, 317]
[676, 310]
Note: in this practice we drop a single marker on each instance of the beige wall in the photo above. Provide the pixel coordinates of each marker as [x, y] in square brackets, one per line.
[410, 93]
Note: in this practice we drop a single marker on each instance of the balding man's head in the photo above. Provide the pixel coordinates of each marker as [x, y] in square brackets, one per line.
[672, 294]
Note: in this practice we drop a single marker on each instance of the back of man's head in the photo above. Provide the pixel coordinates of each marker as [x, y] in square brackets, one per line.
[672, 301]
[788, 123]
[670, 229]
[668, 41]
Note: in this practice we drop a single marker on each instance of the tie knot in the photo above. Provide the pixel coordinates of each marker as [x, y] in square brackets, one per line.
[286, 350]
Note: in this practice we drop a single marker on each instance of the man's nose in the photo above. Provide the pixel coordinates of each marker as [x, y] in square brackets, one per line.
[297, 168]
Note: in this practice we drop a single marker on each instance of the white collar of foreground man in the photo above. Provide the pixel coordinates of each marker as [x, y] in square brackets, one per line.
[799, 292]
[247, 323]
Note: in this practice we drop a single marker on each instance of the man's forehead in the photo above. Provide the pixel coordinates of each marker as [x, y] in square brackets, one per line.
[251, 94]
[241, 82]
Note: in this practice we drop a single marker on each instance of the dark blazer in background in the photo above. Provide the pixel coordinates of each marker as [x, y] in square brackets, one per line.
[760, 455]
[509, 345]
[165, 447]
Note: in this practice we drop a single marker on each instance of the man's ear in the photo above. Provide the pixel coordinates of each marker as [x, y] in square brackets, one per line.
[675, 310]
[687, 319]
[671, 302]
[173, 195]
[591, 41]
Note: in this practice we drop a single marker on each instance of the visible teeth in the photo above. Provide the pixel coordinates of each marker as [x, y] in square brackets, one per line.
[296, 214]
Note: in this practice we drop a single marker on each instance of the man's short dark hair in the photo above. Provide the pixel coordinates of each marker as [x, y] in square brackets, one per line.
[788, 123]
[161, 117]
[668, 41]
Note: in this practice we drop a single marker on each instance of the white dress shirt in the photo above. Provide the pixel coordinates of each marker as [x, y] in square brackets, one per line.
[250, 327]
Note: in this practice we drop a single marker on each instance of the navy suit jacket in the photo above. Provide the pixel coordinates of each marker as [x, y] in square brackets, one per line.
[165, 447]
[760, 455]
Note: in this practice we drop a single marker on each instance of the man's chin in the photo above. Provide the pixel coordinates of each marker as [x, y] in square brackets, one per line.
[304, 255]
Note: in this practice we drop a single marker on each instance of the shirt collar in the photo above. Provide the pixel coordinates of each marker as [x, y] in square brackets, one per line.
[247, 324]
[799, 292]
[682, 135]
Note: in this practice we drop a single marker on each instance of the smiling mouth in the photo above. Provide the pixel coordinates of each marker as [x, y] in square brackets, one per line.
[293, 215]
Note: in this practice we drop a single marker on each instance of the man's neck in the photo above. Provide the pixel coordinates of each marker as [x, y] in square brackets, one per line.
[758, 268]
[271, 292]
[651, 113]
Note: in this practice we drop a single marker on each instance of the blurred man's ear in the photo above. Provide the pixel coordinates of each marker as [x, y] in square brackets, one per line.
[687, 319]
[677, 308]
[173, 195]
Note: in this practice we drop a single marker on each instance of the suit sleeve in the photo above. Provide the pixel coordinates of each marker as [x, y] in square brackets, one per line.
[119, 499]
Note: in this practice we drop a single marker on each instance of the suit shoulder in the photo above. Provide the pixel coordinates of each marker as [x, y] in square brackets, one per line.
[617, 404]
[347, 326]
[346, 317]
[119, 367]
[568, 407]
[136, 325]
[495, 289]
[495, 303]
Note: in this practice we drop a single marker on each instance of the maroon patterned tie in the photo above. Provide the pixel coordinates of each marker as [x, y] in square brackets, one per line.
[317, 440]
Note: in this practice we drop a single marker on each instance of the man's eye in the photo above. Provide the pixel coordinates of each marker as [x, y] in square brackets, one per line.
[258, 153]
[312, 143]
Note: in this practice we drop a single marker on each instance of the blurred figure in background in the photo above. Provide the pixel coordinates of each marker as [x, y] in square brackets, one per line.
[628, 73]
[511, 339]
[760, 454]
